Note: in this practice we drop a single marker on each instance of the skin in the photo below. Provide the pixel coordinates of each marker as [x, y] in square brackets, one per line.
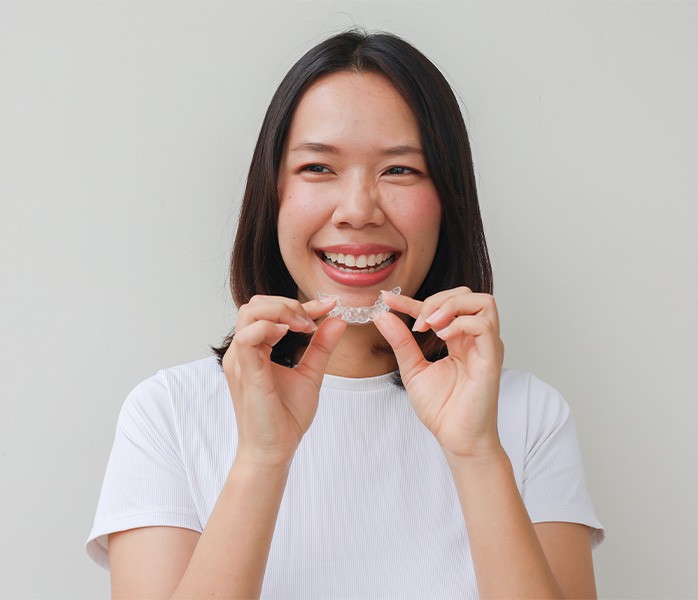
[357, 195]
[362, 194]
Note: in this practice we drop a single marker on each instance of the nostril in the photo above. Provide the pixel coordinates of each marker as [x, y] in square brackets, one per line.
[357, 214]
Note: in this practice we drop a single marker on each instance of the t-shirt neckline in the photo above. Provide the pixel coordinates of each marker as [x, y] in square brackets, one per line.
[358, 384]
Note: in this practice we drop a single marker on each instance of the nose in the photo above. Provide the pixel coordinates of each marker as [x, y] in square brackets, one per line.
[358, 204]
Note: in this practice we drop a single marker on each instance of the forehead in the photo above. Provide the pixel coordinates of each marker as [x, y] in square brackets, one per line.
[348, 105]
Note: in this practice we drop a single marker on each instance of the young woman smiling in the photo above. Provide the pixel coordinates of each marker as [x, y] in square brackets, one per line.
[317, 458]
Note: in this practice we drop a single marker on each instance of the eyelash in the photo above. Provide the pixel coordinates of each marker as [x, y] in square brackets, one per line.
[408, 170]
[315, 168]
[311, 168]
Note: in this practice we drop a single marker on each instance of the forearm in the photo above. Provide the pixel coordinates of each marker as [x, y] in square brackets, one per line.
[231, 555]
[508, 558]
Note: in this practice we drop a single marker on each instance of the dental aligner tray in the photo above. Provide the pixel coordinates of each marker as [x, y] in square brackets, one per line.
[359, 314]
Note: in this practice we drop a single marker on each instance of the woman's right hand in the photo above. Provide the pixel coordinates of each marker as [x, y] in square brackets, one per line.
[275, 405]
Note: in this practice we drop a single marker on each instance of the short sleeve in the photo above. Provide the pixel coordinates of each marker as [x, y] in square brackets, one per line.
[145, 482]
[554, 487]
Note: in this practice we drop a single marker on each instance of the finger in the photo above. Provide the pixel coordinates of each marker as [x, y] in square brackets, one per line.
[459, 305]
[403, 304]
[314, 309]
[324, 341]
[481, 328]
[418, 309]
[432, 304]
[275, 310]
[259, 336]
[407, 352]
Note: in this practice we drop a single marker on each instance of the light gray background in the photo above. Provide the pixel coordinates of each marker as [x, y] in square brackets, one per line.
[125, 133]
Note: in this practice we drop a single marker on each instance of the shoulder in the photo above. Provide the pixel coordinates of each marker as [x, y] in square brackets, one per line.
[540, 437]
[164, 396]
[531, 414]
[197, 375]
[523, 391]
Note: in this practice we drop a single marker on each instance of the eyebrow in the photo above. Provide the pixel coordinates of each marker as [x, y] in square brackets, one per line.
[319, 147]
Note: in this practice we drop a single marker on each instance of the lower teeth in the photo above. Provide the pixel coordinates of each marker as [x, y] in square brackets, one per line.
[347, 270]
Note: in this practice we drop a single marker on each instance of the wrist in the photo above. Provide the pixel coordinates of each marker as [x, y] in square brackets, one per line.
[485, 458]
[251, 463]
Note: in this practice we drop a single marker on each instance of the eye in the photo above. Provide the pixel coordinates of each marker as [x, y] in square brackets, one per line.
[316, 169]
[401, 171]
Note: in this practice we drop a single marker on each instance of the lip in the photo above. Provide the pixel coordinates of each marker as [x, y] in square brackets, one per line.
[358, 279]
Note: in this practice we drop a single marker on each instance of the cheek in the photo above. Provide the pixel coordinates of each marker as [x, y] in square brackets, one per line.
[424, 219]
[298, 219]
[287, 229]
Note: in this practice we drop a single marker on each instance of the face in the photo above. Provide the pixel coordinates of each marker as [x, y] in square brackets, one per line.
[358, 210]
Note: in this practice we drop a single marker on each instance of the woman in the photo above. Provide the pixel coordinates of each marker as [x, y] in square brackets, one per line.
[428, 470]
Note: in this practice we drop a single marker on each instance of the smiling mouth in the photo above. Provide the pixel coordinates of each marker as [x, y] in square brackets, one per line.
[362, 263]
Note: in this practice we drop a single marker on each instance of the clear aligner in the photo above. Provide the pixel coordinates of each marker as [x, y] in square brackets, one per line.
[362, 314]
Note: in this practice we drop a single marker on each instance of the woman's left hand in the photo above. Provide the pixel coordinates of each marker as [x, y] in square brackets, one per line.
[456, 396]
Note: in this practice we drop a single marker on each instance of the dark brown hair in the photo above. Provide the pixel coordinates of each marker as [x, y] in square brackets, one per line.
[461, 255]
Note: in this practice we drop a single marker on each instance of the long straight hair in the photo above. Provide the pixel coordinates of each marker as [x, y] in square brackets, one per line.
[461, 256]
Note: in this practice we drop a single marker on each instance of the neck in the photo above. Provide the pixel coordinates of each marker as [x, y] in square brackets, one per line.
[362, 352]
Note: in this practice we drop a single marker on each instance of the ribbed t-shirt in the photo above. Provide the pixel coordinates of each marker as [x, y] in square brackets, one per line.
[370, 509]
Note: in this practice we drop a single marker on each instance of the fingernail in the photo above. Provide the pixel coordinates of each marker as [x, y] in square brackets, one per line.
[282, 328]
[443, 333]
[435, 316]
[304, 323]
[418, 324]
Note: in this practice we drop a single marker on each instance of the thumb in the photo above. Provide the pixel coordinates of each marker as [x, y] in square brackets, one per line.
[407, 352]
[317, 354]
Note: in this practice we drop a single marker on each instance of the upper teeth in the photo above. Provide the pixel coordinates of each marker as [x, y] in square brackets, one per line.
[361, 261]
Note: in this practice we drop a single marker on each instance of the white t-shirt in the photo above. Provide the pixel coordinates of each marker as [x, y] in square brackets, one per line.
[370, 508]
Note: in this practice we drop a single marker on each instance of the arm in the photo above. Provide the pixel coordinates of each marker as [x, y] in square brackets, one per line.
[274, 407]
[231, 556]
[512, 557]
[148, 562]
[456, 398]
[226, 561]
[567, 547]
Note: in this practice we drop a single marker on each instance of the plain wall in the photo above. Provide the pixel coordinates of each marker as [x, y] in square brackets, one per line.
[125, 133]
